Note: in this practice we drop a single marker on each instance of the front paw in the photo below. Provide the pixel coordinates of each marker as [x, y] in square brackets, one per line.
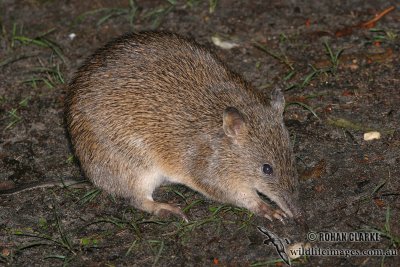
[266, 211]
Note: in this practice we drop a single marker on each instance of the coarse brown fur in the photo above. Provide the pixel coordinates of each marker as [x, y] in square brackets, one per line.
[151, 108]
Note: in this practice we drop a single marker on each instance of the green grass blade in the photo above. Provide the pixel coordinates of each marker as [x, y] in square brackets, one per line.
[112, 13]
[304, 106]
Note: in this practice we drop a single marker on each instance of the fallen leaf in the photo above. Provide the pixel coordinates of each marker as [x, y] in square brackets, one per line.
[379, 202]
[215, 261]
[347, 93]
[315, 172]
[366, 25]
[345, 31]
[371, 23]
[377, 43]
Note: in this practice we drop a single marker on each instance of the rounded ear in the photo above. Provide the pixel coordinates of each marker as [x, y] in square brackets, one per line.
[278, 100]
[233, 122]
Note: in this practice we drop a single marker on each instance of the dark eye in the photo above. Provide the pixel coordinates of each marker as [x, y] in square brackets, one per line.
[267, 169]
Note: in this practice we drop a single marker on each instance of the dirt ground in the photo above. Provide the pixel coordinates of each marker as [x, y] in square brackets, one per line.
[339, 64]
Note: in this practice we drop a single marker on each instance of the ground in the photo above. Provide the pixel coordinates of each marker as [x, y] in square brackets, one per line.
[338, 64]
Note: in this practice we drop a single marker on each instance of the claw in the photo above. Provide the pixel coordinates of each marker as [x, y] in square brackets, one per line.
[270, 214]
[268, 217]
[284, 214]
[278, 216]
[183, 217]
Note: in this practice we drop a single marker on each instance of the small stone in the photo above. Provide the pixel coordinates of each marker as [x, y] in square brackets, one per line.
[372, 135]
[223, 44]
[296, 250]
[72, 36]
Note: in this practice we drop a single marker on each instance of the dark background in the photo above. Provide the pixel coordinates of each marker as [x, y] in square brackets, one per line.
[347, 184]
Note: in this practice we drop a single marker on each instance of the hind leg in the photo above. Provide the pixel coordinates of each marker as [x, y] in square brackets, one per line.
[141, 191]
[135, 178]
